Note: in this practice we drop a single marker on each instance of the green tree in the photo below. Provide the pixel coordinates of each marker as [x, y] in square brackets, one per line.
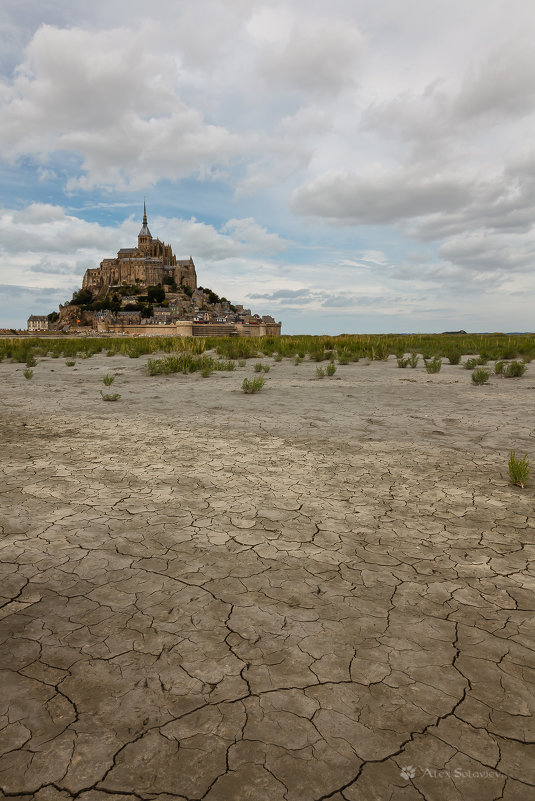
[156, 294]
[82, 297]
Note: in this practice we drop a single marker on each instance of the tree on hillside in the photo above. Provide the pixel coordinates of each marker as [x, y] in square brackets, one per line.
[156, 294]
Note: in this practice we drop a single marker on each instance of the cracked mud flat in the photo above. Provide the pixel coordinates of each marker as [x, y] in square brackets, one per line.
[320, 591]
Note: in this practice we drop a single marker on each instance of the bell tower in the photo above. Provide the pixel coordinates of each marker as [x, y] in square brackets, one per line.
[144, 237]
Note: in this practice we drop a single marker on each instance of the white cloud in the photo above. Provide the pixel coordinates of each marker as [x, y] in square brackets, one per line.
[110, 97]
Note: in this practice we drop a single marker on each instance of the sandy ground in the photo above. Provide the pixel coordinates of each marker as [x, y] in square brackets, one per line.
[320, 591]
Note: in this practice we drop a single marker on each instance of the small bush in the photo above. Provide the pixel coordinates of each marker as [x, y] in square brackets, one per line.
[108, 380]
[242, 363]
[31, 361]
[266, 368]
[518, 470]
[499, 367]
[278, 357]
[453, 355]
[331, 369]
[403, 362]
[110, 396]
[28, 373]
[413, 360]
[433, 365]
[206, 371]
[515, 370]
[482, 359]
[298, 359]
[470, 364]
[222, 365]
[252, 385]
[70, 363]
[480, 376]
[320, 372]
[258, 367]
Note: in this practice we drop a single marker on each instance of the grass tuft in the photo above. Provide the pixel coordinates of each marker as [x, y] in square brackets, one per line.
[250, 386]
[480, 376]
[433, 365]
[518, 470]
[515, 370]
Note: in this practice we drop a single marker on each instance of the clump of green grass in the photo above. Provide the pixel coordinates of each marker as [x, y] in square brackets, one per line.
[470, 364]
[70, 363]
[183, 363]
[266, 368]
[31, 361]
[223, 365]
[28, 374]
[433, 365]
[499, 367]
[518, 470]
[453, 355]
[242, 363]
[108, 396]
[480, 375]
[413, 360]
[298, 359]
[258, 367]
[278, 357]
[206, 371]
[330, 369]
[108, 380]
[320, 372]
[403, 362]
[515, 370]
[250, 386]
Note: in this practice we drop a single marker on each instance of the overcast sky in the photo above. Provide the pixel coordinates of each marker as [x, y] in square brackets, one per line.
[351, 166]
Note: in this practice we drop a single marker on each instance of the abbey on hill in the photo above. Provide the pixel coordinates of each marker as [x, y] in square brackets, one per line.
[151, 263]
[147, 291]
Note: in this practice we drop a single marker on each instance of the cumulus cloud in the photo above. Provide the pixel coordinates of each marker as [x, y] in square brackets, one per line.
[350, 151]
[108, 96]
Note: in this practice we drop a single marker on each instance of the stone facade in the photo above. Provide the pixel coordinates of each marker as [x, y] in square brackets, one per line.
[147, 265]
[37, 322]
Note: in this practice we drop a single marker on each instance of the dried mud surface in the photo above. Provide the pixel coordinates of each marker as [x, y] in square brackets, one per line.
[318, 592]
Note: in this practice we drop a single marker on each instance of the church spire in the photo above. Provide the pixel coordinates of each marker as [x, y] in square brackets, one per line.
[144, 228]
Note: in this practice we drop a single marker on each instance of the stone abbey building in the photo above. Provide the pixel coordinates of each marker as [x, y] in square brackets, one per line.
[147, 265]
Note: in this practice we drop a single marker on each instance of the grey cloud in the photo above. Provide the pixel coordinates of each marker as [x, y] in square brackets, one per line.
[344, 198]
[502, 84]
[318, 56]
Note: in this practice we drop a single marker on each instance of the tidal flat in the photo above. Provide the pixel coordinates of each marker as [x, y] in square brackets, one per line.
[320, 590]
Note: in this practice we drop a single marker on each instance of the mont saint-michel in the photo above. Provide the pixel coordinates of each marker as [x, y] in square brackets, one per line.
[147, 290]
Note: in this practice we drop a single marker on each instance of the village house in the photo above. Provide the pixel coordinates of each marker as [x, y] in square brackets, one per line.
[37, 322]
